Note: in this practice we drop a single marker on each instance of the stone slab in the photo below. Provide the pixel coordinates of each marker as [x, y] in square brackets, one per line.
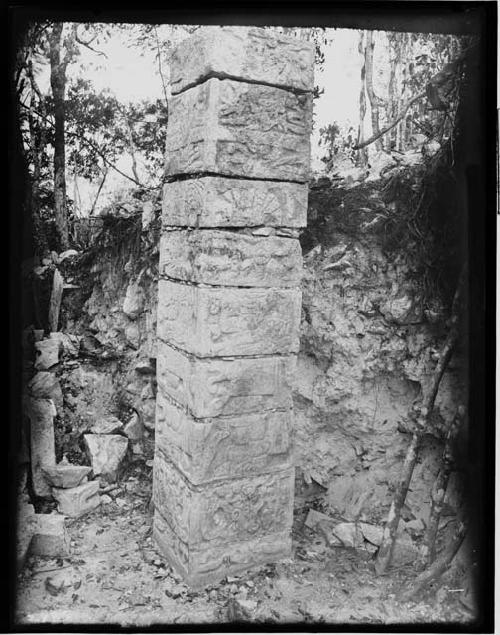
[47, 354]
[247, 53]
[210, 321]
[51, 538]
[212, 387]
[233, 128]
[202, 565]
[213, 201]
[65, 475]
[230, 258]
[41, 413]
[223, 447]
[77, 501]
[106, 453]
[223, 511]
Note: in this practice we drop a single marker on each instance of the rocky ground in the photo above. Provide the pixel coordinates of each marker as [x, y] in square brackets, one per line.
[115, 575]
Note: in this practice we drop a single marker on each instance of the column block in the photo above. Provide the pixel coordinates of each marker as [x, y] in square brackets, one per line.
[250, 54]
[223, 511]
[214, 201]
[220, 386]
[240, 129]
[210, 321]
[223, 447]
[230, 258]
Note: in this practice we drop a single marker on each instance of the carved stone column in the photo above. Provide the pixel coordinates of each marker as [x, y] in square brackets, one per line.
[237, 161]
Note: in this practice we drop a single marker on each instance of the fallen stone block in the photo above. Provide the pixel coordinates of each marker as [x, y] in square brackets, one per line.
[214, 201]
[133, 304]
[70, 344]
[254, 131]
[45, 385]
[106, 452]
[224, 447]
[246, 53]
[212, 387]
[210, 321]
[217, 512]
[230, 258]
[107, 425]
[41, 413]
[133, 428]
[51, 537]
[77, 501]
[47, 353]
[65, 475]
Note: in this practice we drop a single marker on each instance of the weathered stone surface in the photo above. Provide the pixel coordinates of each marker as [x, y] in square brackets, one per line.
[77, 501]
[208, 388]
[224, 447]
[69, 343]
[133, 304]
[239, 129]
[106, 452]
[133, 428]
[45, 385]
[247, 53]
[65, 475]
[107, 425]
[51, 538]
[213, 201]
[223, 511]
[47, 354]
[230, 258]
[41, 413]
[26, 527]
[202, 564]
[55, 300]
[213, 321]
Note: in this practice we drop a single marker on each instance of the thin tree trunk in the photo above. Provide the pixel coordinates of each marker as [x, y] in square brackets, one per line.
[105, 174]
[362, 154]
[374, 100]
[386, 549]
[439, 567]
[428, 546]
[58, 85]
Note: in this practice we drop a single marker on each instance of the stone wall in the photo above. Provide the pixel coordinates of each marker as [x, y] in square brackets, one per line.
[229, 299]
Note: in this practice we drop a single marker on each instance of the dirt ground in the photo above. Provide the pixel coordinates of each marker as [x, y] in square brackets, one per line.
[115, 575]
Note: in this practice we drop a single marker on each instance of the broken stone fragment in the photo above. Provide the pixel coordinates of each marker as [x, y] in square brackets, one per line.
[51, 537]
[133, 428]
[65, 475]
[106, 452]
[147, 214]
[41, 413]
[107, 425]
[47, 352]
[45, 385]
[77, 501]
[133, 303]
[70, 344]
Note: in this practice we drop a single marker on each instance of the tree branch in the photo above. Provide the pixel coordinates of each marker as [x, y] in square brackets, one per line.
[94, 147]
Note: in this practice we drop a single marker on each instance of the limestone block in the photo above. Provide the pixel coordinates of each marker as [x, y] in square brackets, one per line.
[106, 452]
[107, 425]
[25, 530]
[233, 128]
[224, 447]
[51, 538]
[133, 303]
[247, 53]
[209, 321]
[230, 258]
[212, 387]
[213, 201]
[65, 475]
[41, 413]
[77, 501]
[45, 385]
[223, 511]
[47, 353]
[200, 564]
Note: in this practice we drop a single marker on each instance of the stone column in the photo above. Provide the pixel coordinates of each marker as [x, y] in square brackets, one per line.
[237, 162]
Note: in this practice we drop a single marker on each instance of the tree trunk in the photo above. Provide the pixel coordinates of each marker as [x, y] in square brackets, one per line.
[374, 101]
[58, 85]
[363, 153]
